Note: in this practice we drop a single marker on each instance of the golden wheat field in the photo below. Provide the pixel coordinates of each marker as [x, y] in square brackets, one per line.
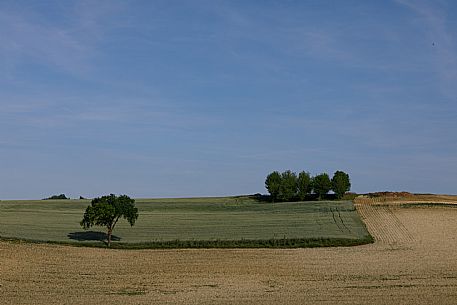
[413, 261]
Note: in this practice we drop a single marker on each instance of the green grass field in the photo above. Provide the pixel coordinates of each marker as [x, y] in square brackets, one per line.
[192, 222]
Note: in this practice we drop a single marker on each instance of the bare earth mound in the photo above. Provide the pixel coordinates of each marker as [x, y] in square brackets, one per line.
[413, 261]
[404, 198]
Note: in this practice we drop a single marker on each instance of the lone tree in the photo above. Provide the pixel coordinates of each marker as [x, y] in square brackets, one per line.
[273, 184]
[304, 185]
[288, 188]
[340, 183]
[107, 210]
[321, 184]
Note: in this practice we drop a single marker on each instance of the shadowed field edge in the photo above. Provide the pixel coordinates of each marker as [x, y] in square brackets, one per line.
[285, 243]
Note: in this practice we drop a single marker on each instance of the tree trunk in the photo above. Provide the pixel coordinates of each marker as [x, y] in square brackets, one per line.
[110, 232]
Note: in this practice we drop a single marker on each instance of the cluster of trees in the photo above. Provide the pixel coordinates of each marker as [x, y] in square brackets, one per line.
[287, 186]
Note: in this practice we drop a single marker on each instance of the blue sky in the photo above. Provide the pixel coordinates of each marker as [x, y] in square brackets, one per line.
[201, 98]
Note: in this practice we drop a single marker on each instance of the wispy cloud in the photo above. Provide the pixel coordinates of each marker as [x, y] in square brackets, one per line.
[43, 44]
[63, 110]
[66, 46]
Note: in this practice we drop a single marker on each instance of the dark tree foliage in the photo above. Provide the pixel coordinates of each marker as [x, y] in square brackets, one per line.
[106, 212]
[288, 189]
[54, 197]
[340, 183]
[304, 185]
[273, 184]
[322, 184]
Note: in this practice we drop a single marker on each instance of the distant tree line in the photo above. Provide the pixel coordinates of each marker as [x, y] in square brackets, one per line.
[55, 197]
[60, 197]
[287, 186]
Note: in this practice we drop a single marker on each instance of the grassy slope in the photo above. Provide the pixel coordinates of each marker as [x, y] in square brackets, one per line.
[220, 220]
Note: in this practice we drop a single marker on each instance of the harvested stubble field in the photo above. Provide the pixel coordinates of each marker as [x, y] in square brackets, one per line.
[413, 261]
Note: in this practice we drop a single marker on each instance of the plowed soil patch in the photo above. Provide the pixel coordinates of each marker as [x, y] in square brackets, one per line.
[384, 225]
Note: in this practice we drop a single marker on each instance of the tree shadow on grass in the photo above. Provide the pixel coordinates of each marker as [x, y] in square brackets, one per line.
[91, 236]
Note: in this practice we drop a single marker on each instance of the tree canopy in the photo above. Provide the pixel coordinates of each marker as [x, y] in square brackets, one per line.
[304, 185]
[288, 187]
[322, 184]
[273, 184]
[340, 183]
[106, 211]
